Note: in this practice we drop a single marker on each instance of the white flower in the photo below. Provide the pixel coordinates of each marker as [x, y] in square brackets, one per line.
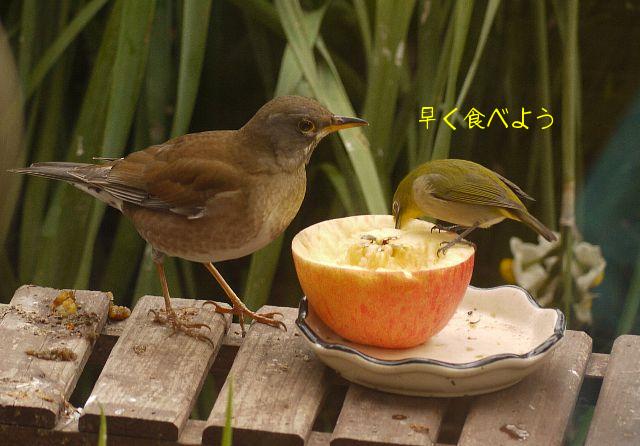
[535, 268]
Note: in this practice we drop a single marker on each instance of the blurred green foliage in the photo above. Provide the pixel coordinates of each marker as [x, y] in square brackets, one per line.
[85, 78]
[104, 78]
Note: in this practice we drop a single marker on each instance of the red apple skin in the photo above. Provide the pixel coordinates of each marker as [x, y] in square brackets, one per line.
[384, 308]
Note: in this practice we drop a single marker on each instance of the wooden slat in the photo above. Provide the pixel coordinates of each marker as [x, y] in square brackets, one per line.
[616, 419]
[33, 391]
[152, 378]
[369, 417]
[318, 439]
[66, 433]
[597, 365]
[540, 405]
[278, 387]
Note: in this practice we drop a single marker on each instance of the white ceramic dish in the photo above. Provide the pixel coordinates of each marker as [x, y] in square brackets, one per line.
[496, 338]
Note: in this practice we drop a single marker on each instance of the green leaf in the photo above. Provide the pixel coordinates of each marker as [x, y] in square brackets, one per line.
[262, 270]
[364, 24]
[227, 431]
[62, 42]
[28, 37]
[102, 431]
[68, 212]
[435, 34]
[328, 88]
[487, 24]
[13, 152]
[385, 70]
[339, 183]
[462, 13]
[195, 26]
[128, 72]
[543, 138]
[49, 136]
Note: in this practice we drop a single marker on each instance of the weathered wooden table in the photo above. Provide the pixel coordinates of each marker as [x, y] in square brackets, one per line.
[150, 381]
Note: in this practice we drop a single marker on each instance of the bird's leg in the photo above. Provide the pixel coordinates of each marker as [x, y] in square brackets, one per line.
[169, 316]
[459, 239]
[446, 228]
[239, 308]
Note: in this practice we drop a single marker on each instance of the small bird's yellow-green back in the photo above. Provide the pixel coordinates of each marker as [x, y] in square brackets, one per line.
[463, 193]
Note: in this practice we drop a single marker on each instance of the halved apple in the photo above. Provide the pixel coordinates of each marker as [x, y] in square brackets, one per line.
[377, 285]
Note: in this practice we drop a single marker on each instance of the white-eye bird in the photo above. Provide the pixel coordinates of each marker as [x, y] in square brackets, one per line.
[463, 193]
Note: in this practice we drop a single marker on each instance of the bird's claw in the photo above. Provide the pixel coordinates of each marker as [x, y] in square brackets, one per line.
[446, 245]
[262, 318]
[445, 228]
[173, 319]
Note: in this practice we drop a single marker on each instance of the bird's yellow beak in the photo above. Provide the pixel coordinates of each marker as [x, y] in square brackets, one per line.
[343, 122]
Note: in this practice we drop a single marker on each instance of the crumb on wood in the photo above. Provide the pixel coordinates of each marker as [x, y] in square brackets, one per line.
[64, 304]
[419, 428]
[79, 324]
[54, 354]
[399, 416]
[139, 349]
[118, 312]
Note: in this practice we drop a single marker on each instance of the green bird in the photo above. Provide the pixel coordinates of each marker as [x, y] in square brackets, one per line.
[463, 193]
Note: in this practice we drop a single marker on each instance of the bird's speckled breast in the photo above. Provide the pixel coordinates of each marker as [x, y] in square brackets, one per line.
[234, 226]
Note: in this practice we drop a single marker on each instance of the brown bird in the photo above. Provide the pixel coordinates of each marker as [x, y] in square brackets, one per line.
[212, 196]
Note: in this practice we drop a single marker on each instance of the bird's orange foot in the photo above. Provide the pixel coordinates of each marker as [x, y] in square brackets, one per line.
[179, 322]
[242, 312]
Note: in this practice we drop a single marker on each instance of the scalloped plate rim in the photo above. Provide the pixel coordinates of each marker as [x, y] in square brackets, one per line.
[524, 358]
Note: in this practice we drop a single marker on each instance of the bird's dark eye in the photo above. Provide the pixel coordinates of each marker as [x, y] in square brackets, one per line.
[306, 126]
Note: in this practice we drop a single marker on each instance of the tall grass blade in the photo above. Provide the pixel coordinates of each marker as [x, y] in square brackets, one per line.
[48, 139]
[435, 32]
[195, 25]
[462, 12]
[569, 140]
[364, 24]
[11, 136]
[339, 183]
[28, 38]
[227, 431]
[262, 270]
[487, 24]
[128, 72]
[68, 213]
[631, 303]
[331, 92]
[62, 42]
[385, 69]
[102, 430]
[543, 138]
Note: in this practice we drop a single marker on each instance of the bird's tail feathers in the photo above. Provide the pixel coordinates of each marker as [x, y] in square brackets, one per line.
[536, 225]
[54, 170]
[82, 175]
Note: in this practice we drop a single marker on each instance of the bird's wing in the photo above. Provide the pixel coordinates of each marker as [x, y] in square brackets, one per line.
[474, 189]
[163, 178]
[515, 188]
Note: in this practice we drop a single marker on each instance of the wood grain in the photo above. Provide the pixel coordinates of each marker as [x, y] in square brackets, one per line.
[369, 417]
[616, 419]
[152, 378]
[278, 387]
[540, 405]
[34, 391]
[66, 433]
[597, 365]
